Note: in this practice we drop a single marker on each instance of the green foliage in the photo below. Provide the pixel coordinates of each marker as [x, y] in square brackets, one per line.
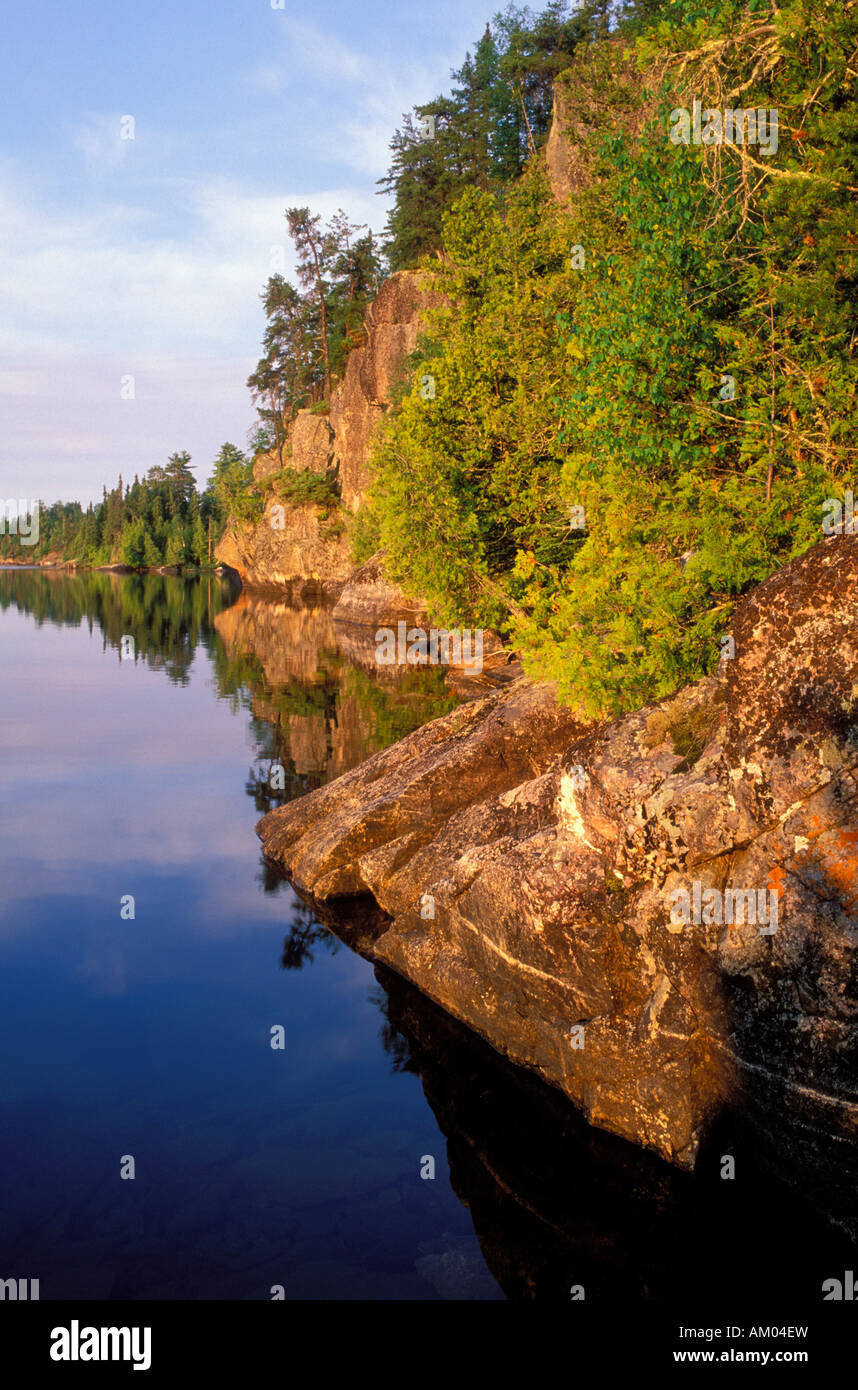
[691, 279]
[604, 387]
[156, 521]
[467, 467]
[310, 330]
[131, 546]
[230, 487]
[482, 134]
[301, 487]
[364, 535]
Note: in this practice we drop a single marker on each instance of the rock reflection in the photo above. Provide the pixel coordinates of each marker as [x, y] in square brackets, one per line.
[556, 1203]
[314, 712]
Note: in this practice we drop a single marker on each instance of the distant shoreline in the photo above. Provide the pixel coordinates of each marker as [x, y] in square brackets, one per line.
[174, 570]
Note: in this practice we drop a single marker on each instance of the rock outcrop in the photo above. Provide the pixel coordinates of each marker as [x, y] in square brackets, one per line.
[521, 1159]
[312, 443]
[337, 445]
[370, 599]
[393, 323]
[288, 549]
[530, 869]
[310, 446]
[558, 150]
[579, 112]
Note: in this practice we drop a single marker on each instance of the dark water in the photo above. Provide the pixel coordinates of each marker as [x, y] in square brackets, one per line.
[144, 775]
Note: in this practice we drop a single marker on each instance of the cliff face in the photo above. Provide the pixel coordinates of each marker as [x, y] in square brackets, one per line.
[580, 109]
[288, 549]
[301, 556]
[553, 854]
[392, 324]
[558, 150]
[337, 444]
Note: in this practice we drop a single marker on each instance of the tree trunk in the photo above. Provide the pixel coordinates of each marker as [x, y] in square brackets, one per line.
[323, 315]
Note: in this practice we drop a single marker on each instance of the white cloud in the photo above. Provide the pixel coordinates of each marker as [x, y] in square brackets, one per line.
[103, 140]
[375, 91]
[94, 293]
[114, 260]
[266, 79]
[104, 276]
[324, 53]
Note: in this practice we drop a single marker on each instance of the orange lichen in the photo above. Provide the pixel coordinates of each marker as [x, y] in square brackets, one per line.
[777, 881]
[834, 857]
[842, 868]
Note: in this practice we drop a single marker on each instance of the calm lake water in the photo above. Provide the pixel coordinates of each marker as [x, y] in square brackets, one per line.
[141, 717]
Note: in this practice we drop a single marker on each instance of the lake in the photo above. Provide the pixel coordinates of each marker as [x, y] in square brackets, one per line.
[147, 953]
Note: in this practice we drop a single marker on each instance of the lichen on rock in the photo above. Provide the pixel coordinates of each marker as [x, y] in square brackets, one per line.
[552, 849]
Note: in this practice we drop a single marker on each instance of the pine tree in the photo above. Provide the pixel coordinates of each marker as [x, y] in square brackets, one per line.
[498, 114]
[151, 552]
[180, 480]
[174, 552]
[314, 247]
[132, 544]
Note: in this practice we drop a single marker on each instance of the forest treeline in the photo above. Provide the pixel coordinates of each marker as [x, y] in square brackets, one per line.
[161, 519]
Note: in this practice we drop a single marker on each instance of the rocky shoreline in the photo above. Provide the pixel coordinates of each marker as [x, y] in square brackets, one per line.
[522, 864]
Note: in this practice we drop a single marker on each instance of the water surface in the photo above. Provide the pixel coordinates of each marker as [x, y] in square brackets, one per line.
[141, 721]
[151, 1037]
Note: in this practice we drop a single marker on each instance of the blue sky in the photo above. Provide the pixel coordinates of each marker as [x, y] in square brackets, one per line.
[146, 256]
